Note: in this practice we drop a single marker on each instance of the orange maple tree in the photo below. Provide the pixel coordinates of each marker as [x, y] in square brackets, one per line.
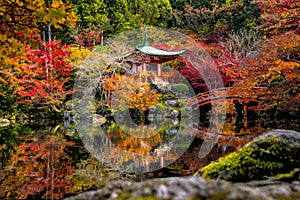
[277, 68]
[131, 93]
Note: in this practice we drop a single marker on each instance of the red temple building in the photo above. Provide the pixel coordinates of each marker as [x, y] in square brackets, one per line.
[147, 63]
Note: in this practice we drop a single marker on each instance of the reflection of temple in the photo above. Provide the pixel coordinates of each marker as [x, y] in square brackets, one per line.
[139, 154]
[147, 61]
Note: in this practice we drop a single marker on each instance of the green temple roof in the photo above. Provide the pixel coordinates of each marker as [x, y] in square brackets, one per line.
[146, 49]
[158, 52]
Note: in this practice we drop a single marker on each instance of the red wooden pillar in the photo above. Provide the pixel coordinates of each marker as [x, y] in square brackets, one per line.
[162, 163]
[158, 69]
[245, 106]
[136, 68]
[144, 68]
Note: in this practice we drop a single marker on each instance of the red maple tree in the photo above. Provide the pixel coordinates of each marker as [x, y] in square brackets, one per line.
[45, 74]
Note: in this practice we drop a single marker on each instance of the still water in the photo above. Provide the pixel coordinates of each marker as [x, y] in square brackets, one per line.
[53, 160]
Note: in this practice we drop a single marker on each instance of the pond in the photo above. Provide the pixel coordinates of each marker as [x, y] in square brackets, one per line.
[53, 160]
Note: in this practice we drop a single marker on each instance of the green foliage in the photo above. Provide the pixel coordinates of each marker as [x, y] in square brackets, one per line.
[91, 19]
[179, 4]
[263, 158]
[90, 14]
[287, 175]
[150, 12]
[8, 102]
[277, 81]
[214, 19]
[181, 88]
[114, 16]
[118, 15]
[168, 97]
[160, 108]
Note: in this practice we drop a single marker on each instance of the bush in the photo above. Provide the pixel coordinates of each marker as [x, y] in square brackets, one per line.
[168, 97]
[181, 88]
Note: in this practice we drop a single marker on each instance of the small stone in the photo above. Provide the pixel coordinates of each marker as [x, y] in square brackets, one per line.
[279, 191]
[4, 122]
[162, 192]
[147, 191]
[114, 195]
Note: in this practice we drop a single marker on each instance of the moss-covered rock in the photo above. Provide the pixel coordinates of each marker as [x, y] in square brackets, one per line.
[293, 175]
[272, 153]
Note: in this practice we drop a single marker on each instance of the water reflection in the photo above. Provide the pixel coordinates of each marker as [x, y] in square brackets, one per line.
[51, 162]
[45, 163]
[135, 148]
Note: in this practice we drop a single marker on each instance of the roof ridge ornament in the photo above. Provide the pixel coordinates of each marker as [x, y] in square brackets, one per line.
[145, 43]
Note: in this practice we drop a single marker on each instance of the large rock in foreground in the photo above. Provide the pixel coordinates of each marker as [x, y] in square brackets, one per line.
[192, 188]
[272, 153]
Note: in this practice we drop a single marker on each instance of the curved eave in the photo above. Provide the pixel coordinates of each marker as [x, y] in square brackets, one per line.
[158, 52]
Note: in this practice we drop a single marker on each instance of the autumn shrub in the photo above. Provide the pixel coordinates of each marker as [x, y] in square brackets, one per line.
[45, 76]
[135, 95]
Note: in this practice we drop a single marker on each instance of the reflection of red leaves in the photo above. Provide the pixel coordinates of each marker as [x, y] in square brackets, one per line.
[39, 166]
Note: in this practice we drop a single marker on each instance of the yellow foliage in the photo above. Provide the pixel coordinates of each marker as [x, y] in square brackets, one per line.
[133, 94]
[56, 4]
[78, 55]
[59, 16]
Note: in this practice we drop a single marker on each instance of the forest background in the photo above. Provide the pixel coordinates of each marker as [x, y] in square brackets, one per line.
[253, 44]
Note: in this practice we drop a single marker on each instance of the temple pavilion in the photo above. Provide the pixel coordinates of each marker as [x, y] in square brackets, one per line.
[146, 62]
